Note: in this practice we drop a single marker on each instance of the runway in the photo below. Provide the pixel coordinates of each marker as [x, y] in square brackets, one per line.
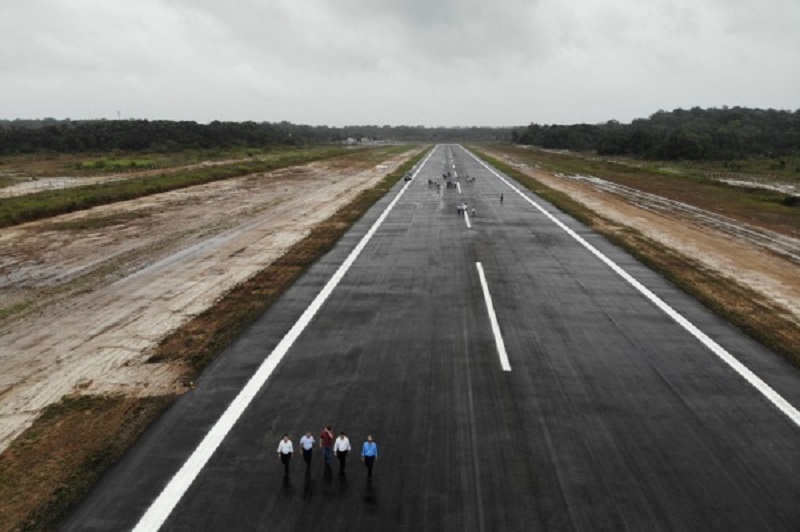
[606, 414]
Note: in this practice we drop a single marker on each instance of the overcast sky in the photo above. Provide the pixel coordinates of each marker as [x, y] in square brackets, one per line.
[441, 62]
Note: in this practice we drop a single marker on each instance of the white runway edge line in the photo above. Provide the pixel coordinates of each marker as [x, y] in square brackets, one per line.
[161, 508]
[765, 389]
[498, 338]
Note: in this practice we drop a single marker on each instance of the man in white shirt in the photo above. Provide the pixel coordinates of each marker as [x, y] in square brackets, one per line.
[342, 447]
[285, 450]
[307, 445]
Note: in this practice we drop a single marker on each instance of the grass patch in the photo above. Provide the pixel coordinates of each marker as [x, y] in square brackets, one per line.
[117, 165]
[50, 203]
[766, 323]
[120, 161]
[54, 464]
[13, 309]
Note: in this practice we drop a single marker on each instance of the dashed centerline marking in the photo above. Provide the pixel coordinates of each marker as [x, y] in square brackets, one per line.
[162, 507]
[765, 389]
[458, 186]
[466, 219]
[498, 338]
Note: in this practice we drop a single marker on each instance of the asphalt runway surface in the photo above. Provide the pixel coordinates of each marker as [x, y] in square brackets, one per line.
[611, 417]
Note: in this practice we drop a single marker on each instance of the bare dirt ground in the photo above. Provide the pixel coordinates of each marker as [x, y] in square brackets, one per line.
[766, 262]
[87, 296]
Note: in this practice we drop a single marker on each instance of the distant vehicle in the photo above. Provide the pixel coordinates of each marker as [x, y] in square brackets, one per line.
[407, 177]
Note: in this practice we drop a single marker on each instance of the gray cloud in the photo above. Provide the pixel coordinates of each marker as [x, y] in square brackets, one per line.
[413, 62]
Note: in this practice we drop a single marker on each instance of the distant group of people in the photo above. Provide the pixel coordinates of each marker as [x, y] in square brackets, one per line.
[463, 209]
[330, 445]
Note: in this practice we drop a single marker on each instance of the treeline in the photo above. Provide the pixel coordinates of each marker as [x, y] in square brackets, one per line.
[694, 134]
[60, 136]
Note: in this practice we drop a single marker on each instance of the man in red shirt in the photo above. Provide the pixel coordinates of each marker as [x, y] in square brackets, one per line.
[326, 438]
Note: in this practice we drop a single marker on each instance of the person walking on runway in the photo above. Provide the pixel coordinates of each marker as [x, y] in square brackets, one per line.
[285, 450]
[326, 438]
[342, 447]
[369, 454]
[307, 445]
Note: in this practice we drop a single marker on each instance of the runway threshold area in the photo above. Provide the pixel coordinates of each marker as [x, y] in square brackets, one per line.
[606, 415]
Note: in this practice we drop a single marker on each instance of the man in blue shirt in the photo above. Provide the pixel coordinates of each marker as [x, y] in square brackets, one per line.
[369, 453]
[307, 445]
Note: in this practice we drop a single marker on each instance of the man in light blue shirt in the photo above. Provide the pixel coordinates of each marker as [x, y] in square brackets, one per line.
[369, 454]
[307, 444]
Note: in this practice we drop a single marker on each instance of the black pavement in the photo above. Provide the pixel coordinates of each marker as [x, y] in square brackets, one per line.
[613, 417]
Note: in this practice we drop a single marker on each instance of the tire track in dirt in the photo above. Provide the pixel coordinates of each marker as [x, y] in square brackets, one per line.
[783, 245]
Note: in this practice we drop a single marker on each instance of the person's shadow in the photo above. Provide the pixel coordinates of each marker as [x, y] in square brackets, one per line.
[370, 494]
[307, 484]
